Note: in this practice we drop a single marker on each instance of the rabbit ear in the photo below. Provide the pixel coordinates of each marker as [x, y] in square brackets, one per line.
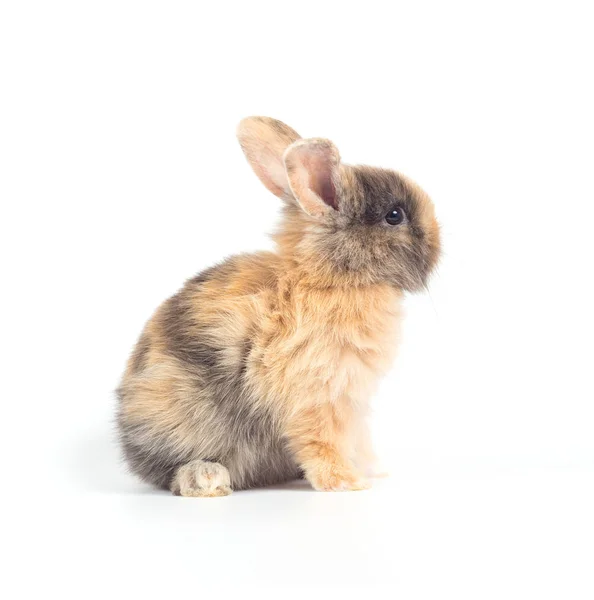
[263, 141]
[312, 167]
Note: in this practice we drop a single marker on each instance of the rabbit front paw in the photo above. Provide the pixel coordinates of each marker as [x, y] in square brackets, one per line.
[334, 478]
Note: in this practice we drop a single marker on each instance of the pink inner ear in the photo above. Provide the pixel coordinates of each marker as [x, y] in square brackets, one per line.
[327, 190]
[320, 167]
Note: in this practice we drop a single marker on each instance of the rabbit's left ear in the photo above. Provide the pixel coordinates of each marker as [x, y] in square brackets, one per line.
[312, 169]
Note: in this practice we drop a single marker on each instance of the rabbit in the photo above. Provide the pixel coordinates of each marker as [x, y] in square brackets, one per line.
[260, 369]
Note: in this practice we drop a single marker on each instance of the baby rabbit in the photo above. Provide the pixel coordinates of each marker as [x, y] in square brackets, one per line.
[260, 369]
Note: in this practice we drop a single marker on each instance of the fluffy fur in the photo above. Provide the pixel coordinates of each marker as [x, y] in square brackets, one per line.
[259, 370]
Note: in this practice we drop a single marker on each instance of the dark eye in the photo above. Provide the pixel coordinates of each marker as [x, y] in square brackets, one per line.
[395, 216]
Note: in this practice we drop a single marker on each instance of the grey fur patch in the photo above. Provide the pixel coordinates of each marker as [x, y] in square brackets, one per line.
[192, 350]
[155, 463]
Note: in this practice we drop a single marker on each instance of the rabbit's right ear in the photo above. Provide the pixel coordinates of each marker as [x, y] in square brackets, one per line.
[263, 141]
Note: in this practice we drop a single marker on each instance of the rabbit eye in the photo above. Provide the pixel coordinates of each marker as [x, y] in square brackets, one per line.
[395, 216]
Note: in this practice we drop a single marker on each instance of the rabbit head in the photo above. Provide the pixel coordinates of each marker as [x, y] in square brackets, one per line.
[351, 225]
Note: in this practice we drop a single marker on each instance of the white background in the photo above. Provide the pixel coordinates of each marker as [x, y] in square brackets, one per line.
[120, 177]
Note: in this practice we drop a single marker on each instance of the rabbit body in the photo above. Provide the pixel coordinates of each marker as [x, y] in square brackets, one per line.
[259, 370]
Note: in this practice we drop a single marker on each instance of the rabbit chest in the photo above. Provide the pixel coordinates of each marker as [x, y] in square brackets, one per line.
[329, 345]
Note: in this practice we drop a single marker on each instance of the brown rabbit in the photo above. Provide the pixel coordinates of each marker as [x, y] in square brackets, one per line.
[259, 370]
